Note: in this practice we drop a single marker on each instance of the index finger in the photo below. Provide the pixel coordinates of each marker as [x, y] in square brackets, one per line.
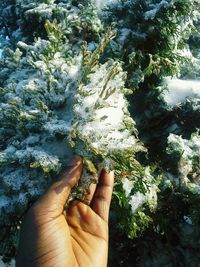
[102, 197]
[58, 193]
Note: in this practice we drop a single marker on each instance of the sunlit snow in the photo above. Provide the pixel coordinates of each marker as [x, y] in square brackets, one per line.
[179, 90]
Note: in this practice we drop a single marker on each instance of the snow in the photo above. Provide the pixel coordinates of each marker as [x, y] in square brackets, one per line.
[100, 113]
[4, 41]
[186, 148]
[4, 202]
[155, 9]
[110, 115]
[123, 34]
[179, 90]
[43, 10]
[103, 110]
[136, 201]
[101, 3]
[189, 153]
[12, 264]
[127, 186]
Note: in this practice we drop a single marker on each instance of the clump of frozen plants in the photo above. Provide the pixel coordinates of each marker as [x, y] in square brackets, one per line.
[105, 81]
[187, 157]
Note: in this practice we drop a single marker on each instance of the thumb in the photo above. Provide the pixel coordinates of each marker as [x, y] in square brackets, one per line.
[54, 200]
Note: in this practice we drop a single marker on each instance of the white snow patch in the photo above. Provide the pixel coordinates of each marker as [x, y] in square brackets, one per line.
[124, 34]
[3, 42]
[127, 186]
[188, 219]
[155, 9]
[101, 3]
[136, 201]
[179, 90]
[1, 52]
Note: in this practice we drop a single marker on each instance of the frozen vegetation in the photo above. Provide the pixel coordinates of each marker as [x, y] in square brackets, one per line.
[118, 83]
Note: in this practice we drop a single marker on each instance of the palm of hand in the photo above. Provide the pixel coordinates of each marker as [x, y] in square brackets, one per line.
[89, 236]
[76, 237]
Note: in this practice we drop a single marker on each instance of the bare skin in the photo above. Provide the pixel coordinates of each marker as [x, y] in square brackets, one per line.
[53, 236]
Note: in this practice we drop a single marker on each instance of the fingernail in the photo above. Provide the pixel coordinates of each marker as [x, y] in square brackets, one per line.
[75, 161]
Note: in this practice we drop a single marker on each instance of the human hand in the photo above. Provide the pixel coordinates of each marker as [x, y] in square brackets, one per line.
[52, 236]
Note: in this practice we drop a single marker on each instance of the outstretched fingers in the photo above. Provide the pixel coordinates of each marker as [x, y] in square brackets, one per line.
[102, 197]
